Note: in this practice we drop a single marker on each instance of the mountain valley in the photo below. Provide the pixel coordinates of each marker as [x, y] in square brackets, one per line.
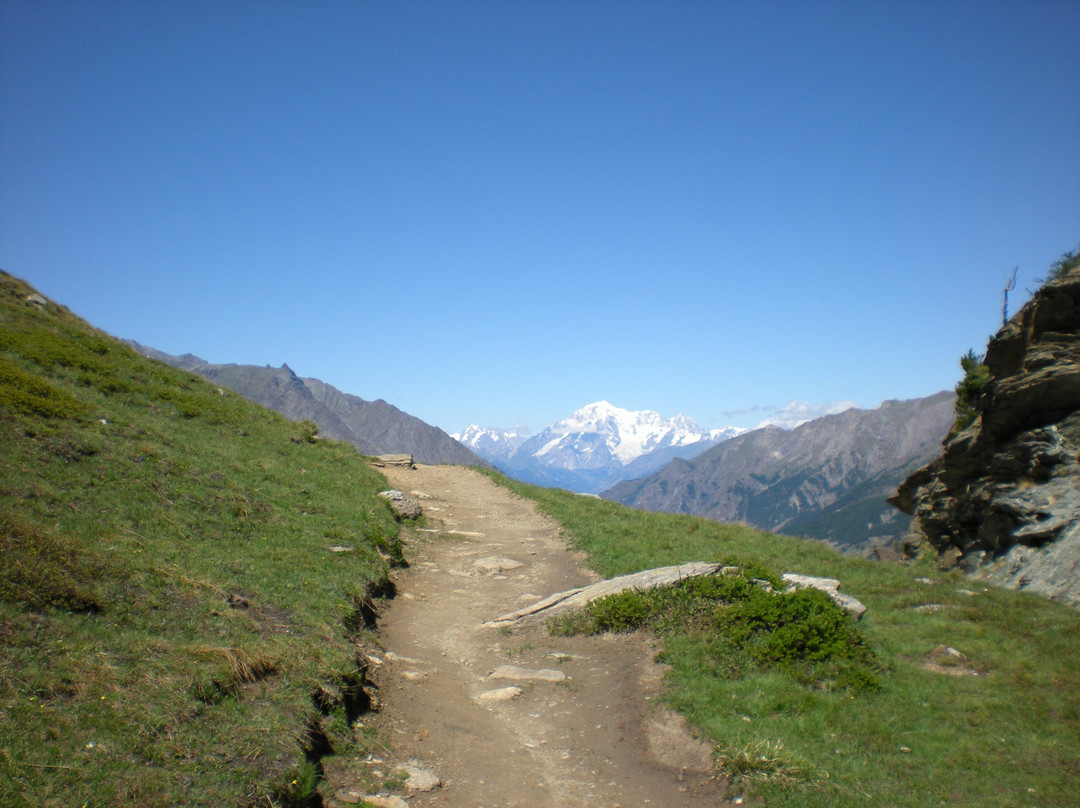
[827, 479]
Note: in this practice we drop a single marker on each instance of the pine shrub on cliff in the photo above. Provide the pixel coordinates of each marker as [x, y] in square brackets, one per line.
[969, 388]
[1067, 262]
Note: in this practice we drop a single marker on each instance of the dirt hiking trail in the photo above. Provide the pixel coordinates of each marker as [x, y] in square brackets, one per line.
[515, 717]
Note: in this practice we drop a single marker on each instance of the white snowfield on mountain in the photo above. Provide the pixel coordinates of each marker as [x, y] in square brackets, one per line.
[627, 435]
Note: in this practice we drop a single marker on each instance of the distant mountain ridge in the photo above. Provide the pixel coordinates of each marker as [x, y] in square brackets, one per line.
[827, 479]
[596, 447]
[373, 427]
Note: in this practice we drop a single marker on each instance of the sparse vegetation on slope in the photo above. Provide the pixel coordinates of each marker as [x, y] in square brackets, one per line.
[978, 699]
[969, 388]
[183, 580]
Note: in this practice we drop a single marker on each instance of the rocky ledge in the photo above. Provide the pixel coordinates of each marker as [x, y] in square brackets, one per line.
[1002, 500]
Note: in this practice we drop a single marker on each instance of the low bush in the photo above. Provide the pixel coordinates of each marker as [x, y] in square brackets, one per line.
[23, 393]
[970, 388]
[745, 623]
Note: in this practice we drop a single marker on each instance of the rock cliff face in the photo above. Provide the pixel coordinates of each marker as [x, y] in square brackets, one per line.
[1003, 498]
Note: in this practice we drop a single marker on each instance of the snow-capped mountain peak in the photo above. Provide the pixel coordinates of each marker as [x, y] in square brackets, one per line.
[627, 435]
[595, 447]
[490, 443]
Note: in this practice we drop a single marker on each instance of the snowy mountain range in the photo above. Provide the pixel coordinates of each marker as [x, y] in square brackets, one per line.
[596, 447]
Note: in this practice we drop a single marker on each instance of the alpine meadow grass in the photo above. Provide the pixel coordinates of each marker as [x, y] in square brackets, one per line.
[964, 696]
[176, 629]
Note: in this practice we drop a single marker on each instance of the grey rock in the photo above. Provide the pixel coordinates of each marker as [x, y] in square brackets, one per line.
[500, 694]
[403, 460]
[829, 586]
[576, 598]
[493, 564]
[403, 506]
[529, 674]
[419, 779]
[650, 579]
[1002, 499]
[386, 801]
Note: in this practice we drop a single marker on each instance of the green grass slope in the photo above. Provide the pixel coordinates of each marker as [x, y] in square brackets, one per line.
[175, 627]
[996, 725]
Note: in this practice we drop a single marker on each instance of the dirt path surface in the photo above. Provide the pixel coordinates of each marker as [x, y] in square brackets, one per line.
[515, 717]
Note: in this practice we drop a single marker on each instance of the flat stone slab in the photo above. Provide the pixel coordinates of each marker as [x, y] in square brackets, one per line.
[662, 576]
[830, 586]
[405, 460]
[494, 564]
[577, 598]
[390, 656]
[500, 694]
[514, 672]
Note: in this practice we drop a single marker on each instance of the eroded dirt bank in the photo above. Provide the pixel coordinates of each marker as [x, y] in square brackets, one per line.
[516, 717]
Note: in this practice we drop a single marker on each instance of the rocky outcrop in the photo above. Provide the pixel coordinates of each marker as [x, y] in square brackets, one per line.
[1002, 500]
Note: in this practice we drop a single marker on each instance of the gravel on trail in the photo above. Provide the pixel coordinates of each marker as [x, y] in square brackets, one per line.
[503, 717]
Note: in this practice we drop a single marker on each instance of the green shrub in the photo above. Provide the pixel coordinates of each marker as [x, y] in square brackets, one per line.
[753, 570]
[299, 787]
[745, 624]
[309, 431]
[25, 394]
[1067, 262]
[623, 611]
[970, 388]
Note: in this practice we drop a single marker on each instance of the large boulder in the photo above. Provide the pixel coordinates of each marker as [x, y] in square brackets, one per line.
[1002, 500]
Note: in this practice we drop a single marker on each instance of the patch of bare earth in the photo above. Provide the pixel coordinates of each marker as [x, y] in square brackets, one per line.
[515, 717]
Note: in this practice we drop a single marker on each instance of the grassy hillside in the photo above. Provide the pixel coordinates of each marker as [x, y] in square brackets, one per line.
[176, 627]
[996, 725]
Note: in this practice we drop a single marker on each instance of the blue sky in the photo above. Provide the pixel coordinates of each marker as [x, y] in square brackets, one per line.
[498, 212]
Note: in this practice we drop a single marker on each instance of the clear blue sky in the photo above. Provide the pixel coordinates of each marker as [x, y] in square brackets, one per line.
[497, 212]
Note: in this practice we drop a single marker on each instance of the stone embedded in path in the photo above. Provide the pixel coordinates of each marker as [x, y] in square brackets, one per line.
[493, 564]
[390, 656]
[500, 694]
[514, 672]
[419, 779]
